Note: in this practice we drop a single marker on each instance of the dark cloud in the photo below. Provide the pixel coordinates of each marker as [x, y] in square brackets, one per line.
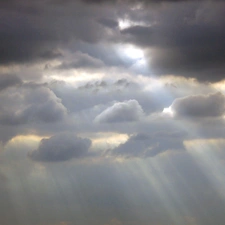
[137, 1]
[108, 22]
[8, 80]
[36, 31]
[179, 37]
[145, 145]
[127, 111]
[184, 38]
[212, 105]
[61, 147]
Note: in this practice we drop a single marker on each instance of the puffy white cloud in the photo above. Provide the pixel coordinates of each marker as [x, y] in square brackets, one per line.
[126, 111]
[61, 147]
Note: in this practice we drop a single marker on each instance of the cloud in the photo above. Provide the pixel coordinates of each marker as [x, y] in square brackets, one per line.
[184, 38]
[212, 105]
[81, 60]
[127, 111]
[8, 80]
[108, 22]
[135, 1]
[178, 37]
[61, 147]
[145, 145]
[50, 28]
[29, 104]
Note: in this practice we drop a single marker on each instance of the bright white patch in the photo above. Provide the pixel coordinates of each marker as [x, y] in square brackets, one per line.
[133, 52]
[123, 24]
[168, 111]
[126, 23]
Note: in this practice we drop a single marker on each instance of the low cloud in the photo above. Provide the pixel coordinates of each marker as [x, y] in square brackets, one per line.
[8, 80]
[61, 147]
[212, 105]
[81, 60]
[126, 111]
[146, 145]
[21, 105]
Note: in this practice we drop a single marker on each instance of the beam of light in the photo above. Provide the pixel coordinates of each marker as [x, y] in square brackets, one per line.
[155, 185]
[206, 153]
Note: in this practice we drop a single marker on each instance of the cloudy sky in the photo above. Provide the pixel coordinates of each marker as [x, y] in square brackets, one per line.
[112, 112]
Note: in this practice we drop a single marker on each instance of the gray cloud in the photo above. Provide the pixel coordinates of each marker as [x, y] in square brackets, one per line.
[212, 105]
[8, 80]
[81, 60]
[50, 27]
[183, 38]
[127, 111]
[61, 147]
[30, 103]
[108, 22]
[145, 145]
[179, 37]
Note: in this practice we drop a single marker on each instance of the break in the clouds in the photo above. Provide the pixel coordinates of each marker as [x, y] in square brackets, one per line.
[60, 148]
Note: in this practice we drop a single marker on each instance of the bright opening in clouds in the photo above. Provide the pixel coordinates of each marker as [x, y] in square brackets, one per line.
[168, 111]
[112, 112]
[133, 52]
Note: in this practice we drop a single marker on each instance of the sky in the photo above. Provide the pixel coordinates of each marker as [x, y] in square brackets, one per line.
[112, 112]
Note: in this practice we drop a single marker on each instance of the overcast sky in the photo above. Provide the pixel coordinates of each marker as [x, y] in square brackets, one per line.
[112, 112]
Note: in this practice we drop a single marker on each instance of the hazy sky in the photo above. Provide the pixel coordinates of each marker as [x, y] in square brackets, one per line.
[112, 112]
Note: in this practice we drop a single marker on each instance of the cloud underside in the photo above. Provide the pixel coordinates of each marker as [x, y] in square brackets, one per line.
[200, 106]
[128, 111]
[61, 147]
[178, 37]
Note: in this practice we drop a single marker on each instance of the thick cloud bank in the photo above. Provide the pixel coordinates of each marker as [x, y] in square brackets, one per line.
[61, 147]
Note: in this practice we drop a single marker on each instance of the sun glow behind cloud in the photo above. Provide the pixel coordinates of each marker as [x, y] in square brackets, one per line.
[133, 56]
[168, 111]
